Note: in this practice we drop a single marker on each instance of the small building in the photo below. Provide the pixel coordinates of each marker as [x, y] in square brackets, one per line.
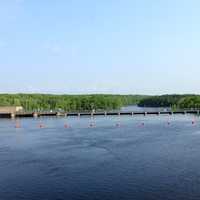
[10, 109]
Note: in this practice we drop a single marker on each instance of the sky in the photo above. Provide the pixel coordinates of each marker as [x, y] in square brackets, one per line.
[103, 46]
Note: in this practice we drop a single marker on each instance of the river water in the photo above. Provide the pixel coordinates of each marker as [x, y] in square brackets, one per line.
[118, 158]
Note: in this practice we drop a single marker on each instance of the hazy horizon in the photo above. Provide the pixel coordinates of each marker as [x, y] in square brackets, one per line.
[114, 47]
[15, 93]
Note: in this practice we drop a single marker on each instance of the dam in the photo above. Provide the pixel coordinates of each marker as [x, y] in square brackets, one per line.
[92, 114]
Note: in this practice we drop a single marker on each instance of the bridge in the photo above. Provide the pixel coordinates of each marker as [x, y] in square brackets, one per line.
[92, 114]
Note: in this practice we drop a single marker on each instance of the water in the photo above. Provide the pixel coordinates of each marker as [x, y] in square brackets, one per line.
[135, 108]
[143, 158]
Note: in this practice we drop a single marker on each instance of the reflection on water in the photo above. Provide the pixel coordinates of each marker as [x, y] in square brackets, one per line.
[143, 158]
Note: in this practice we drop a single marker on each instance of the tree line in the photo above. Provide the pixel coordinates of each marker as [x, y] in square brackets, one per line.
[46, 102]
[175, 101]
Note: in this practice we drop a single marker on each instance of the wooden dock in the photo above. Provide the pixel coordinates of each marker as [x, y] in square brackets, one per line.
[79, 114]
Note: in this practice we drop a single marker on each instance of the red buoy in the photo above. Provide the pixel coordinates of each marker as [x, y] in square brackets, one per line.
[117, 124]
[91, 125]
[66, 126]
[17, 125]
[41, 125]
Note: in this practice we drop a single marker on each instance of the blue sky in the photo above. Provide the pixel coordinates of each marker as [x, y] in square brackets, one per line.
[105, 46]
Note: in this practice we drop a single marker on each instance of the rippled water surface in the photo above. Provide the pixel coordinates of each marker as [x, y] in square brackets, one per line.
[152, 157]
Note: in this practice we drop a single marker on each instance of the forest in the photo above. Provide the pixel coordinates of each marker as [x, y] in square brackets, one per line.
[46, 102]
[174, 101]
[98, 102]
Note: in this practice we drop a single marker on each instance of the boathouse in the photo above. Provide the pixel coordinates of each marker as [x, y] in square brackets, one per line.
[10, 109]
